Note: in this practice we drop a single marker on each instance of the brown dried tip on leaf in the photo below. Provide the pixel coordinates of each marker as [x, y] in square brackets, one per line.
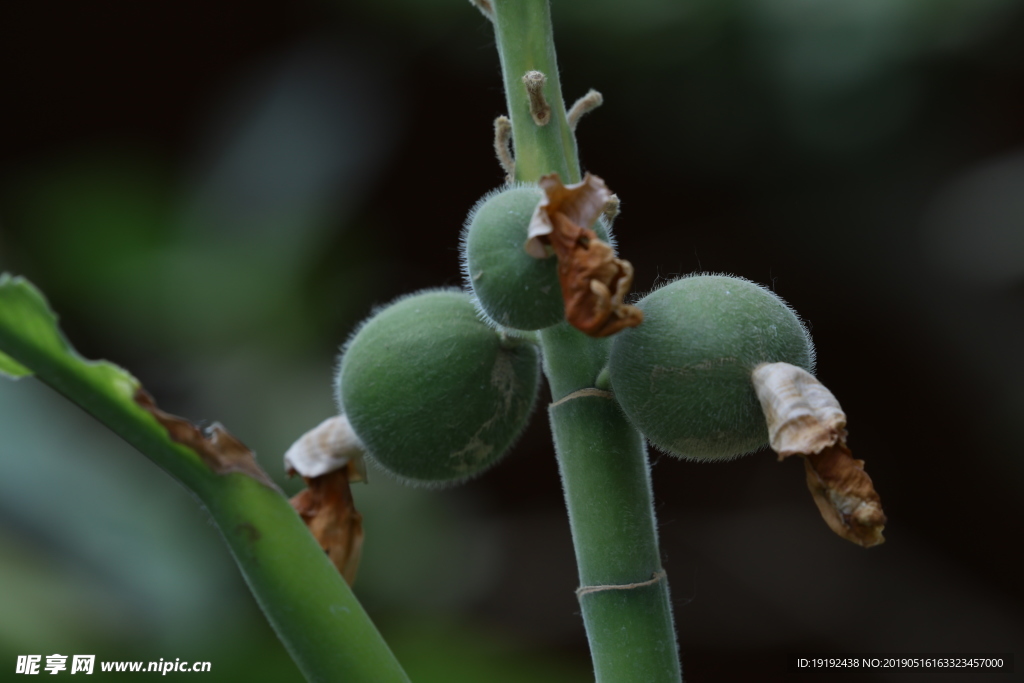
[221, 451]
[594, 282]
[327, 508]
[805, 419]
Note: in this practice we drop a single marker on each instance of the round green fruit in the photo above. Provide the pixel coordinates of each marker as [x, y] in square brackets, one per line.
[512, 288]
[435, 394]
[683, 377]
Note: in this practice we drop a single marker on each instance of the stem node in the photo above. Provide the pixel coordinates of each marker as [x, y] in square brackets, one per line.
[540, 110]
[655, 578]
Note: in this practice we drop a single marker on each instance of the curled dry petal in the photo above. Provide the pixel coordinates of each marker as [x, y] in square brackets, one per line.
[845, 496]
[327, 508]
[594, 281]
[581, 204]
[803, 416]
[327, 447]
[805, 419]
[329, 457]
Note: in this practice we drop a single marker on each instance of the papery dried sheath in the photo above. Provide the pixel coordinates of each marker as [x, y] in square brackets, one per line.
[593, 280]
[803, 416]
[805, 419]
[327, 447]
[581, 204]
[329, 512]
[329, 457]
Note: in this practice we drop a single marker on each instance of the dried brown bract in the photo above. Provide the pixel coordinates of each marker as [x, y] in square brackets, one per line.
[218, 448]
[594, 281]
[330, 457]
[805, 419]
[845, 495]
[329, 446]
[327, 508]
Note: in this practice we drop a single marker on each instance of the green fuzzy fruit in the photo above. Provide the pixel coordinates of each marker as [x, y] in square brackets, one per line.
[512, 288]
[683, 376]
[435, 394]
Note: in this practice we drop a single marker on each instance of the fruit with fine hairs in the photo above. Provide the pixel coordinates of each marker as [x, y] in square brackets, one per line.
[683, 377]
[512, 288]
[435, 394]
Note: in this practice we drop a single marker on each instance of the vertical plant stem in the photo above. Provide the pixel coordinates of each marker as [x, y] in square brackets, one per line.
[623, 592]
[608, 492]
[525, 43]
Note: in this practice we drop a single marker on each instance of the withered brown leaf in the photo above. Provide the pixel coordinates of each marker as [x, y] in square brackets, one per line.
[217, 447]
[594, 281]
[805, 419]
[327, 508]
[845, 495]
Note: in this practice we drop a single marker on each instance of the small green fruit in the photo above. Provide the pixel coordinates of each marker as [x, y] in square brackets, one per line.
[683, 377]
[512, 288]
[435, 394]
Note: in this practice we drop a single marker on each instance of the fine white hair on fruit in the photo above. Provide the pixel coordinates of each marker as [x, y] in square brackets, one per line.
[683, 378]
[435, 396]
[661, 283]
[374, 311]
[471, 216]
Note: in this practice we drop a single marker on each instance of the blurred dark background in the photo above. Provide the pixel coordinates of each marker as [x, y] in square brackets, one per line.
[212, 194]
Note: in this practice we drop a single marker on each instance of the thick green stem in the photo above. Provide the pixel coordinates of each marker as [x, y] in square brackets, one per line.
[624, 591]
[307, 602]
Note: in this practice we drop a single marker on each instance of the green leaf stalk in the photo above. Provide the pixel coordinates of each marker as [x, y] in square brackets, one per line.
[309, 605]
